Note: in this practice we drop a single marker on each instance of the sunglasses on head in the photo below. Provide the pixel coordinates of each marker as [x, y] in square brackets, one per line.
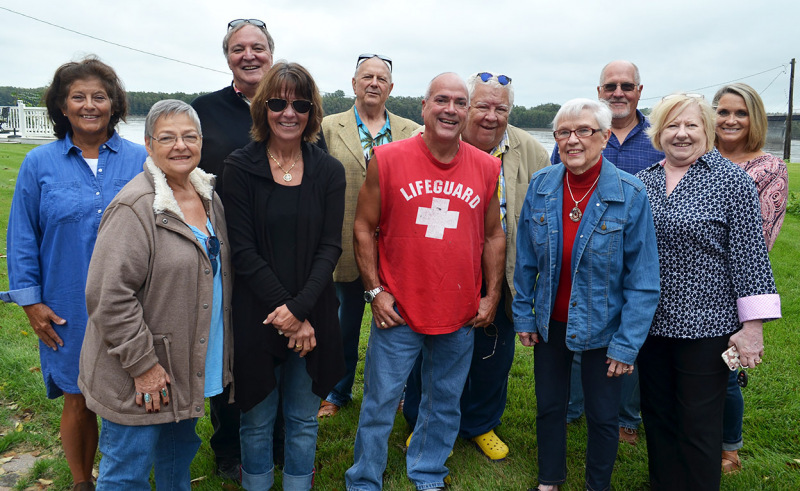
[238, 22]
[301, 106]
[502, 79]
[626, 87]
[366, 56]
[212, 244]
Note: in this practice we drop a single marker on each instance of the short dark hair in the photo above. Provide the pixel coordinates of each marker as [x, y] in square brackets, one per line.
[90, 67]
[293, 77]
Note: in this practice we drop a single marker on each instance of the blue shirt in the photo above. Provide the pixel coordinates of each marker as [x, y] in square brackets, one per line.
[52, 227]
[367, 140]
[214, 352]
[632, 155]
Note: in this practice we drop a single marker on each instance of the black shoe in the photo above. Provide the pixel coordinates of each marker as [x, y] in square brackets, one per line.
[231, 471]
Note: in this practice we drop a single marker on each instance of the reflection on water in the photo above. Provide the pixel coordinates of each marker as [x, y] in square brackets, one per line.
[133, 130]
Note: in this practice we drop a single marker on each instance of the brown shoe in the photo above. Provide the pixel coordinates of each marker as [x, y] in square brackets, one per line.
[327, 409]
[83, 486]
[628, 435]
[731, 462]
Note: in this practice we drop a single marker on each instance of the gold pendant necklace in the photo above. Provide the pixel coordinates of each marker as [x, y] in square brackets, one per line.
[576, 214]
[286, 173]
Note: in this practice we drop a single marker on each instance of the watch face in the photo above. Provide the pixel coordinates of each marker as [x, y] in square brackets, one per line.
[368, 297]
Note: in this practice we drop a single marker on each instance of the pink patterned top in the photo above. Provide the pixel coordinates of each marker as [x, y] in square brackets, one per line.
[772, 181]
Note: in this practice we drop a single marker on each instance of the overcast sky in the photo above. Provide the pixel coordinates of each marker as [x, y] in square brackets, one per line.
[553, 50]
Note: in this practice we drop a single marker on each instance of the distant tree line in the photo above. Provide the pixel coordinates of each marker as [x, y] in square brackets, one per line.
[139, 104]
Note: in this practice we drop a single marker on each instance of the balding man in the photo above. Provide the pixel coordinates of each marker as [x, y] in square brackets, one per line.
[433, 199]
[629, 148]
[352, 136]
[484, 398]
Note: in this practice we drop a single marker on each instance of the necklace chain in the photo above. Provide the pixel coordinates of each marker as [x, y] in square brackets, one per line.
[576, 214]
[287, 176]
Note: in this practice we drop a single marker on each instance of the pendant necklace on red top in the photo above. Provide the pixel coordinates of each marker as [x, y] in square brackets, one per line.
[576, 214]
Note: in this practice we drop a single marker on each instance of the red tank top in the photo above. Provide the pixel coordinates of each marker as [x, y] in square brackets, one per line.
[431, 231]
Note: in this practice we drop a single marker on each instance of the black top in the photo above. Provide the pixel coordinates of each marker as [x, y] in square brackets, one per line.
[225, 122]
[258, 290]
[282, 227]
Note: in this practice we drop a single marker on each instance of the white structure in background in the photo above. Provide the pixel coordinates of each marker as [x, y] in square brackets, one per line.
[29, 122]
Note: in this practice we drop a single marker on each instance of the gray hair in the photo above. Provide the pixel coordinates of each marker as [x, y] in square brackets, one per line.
[636, 78]
[358, 67]
[169, 107]
[572, 109]
[474, 79]
[231, 32]
[430, 84]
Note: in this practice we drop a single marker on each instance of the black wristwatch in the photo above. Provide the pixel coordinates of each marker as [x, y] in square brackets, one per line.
[370, 295]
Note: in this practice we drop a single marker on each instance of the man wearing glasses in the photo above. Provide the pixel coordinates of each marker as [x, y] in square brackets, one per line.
[352, 135]
[484, 399]
[434, 200]
[629, 148]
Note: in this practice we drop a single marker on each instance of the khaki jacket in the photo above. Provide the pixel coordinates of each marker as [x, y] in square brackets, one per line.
[344, 144]
[149, 296]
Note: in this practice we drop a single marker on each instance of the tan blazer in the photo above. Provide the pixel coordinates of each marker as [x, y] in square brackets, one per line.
[341, 135]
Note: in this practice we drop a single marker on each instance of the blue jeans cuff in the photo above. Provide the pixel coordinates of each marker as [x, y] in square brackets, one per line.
[258, 481]
[430, 485]
[335, 399]
[729, 447]
[297, 483]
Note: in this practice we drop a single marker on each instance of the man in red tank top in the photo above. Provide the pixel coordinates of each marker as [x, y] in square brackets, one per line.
[432, 198]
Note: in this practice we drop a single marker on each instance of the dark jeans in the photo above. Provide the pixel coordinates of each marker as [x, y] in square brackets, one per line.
[683, 384]
[225, 421]
[485, 392]
[552, 362]
[351, 312]
[734, 412]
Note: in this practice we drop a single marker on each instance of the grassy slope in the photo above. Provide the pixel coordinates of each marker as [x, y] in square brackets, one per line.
[771, 433]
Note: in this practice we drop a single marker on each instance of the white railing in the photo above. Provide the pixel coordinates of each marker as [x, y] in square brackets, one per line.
[29, 122]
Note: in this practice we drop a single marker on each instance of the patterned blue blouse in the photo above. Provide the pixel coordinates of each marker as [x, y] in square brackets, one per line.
[715, 271]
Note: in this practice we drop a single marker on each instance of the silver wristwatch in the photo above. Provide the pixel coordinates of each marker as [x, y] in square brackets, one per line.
[370, 295]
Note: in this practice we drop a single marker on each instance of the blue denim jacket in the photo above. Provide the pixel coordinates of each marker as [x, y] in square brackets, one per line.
[615, 276]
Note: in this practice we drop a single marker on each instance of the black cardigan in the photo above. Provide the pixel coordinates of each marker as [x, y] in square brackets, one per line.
[257, 291]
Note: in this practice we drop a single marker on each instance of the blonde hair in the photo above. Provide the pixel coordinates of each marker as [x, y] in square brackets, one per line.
[659, 117]
[757, 136]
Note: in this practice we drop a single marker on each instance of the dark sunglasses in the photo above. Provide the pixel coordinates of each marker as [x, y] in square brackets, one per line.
[366, 56]
[212, 244]
[502, 79]
[301, 106]
[626, 87]
[238, 22]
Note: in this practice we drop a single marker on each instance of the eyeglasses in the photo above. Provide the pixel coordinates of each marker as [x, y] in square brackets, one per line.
[238, 22]
[690, 95]
[212, 244]
[301, 106]
[580, 133]
[502, 79]
[626, 87]
[170, 140]
[366, 56]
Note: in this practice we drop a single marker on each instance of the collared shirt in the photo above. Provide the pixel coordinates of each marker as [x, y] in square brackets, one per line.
[57, 206]
[498, 152]
[715, 272]
[368, 142]
[633, 154]
[240, 93]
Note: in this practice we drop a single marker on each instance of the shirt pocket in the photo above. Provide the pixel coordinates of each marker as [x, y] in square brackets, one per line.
[606, 237]
[119, 184]
[539, 227]
[61, 201]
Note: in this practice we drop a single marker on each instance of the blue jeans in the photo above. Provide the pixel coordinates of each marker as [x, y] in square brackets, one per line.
[351, 312]
[485, 392]
[390, 355]
[300, 407]
[732, 418]
[552, 364]
[130, 452]
[629, 407]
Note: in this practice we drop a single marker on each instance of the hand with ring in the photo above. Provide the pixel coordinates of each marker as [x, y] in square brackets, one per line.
[151, 389]
[617, 368]
[304, 340]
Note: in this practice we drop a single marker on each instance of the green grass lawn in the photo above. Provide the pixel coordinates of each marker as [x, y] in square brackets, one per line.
[771, 453]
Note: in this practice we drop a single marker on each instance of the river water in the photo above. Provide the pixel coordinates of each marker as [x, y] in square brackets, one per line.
[134, 130]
